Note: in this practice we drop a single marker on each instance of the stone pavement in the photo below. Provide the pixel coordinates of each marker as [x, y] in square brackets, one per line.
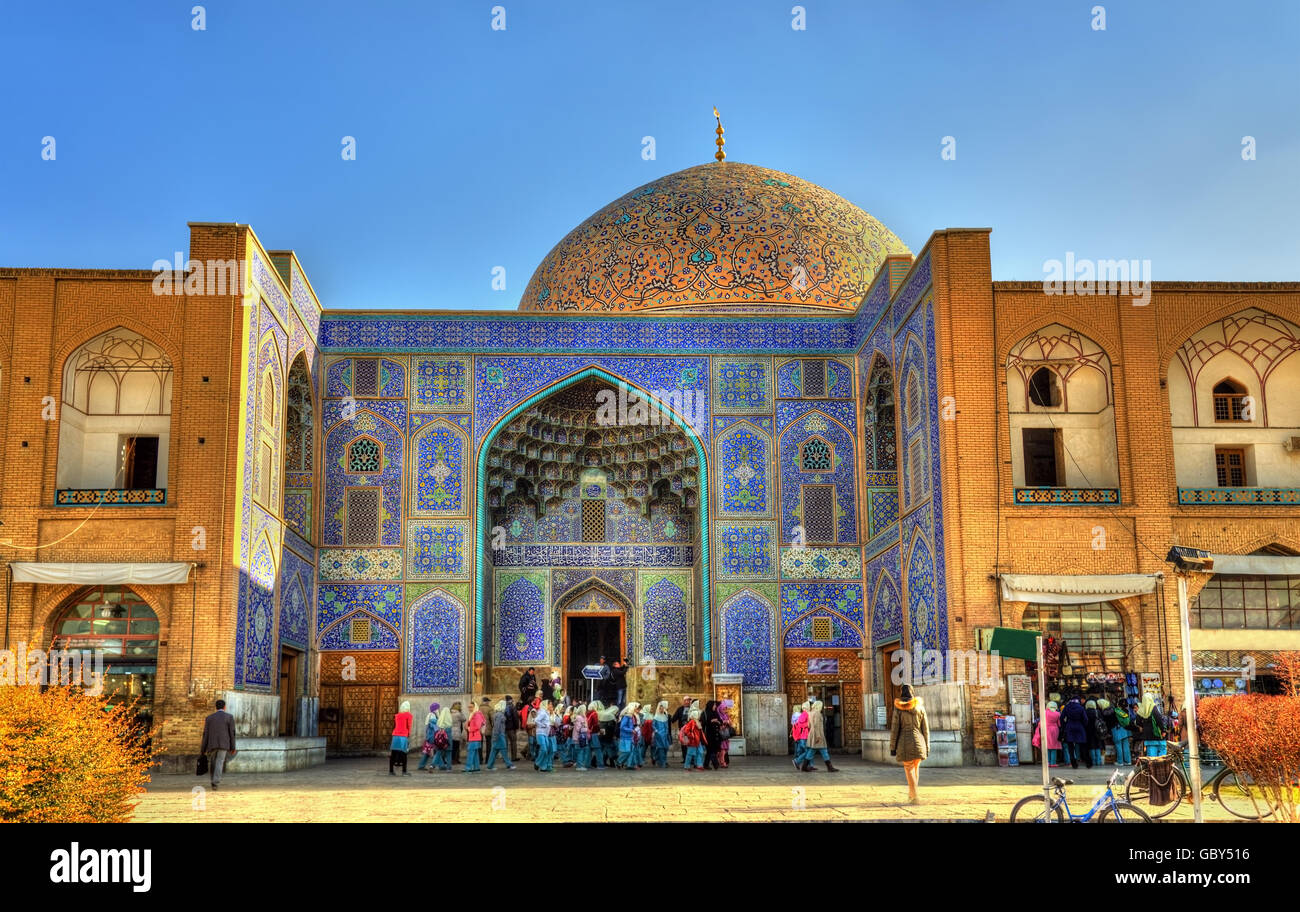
[752, 789]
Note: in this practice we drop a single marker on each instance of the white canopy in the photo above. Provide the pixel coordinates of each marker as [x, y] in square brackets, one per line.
[1062, 589]
[1257, 564]
[162, 574]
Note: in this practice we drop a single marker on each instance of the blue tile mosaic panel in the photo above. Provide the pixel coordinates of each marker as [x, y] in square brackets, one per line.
[435, 632]
[746, 551]
[744, 458]
[440, 384]
[354, 564]
[841, 598]
[844, 635]
[522, 617]
[440, 473]
[841, 476]
[748, 629]
[436, 550]
[665, 634]
[337, 478]
[820, 563]
[742, 387]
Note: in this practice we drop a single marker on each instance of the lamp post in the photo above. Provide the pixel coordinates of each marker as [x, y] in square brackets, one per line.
[1185, 561]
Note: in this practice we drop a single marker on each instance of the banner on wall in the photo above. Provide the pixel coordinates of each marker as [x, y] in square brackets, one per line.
[158, 574]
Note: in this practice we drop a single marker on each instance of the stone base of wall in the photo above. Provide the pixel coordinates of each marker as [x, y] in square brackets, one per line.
[947, 748]
[255, 755]
[767, 721]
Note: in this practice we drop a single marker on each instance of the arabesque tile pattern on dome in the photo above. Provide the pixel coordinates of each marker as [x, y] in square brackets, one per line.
[721, 234]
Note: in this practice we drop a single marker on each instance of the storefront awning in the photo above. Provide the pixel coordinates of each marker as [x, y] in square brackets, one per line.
[1256, 564]
[1063, 589]
[161, 574]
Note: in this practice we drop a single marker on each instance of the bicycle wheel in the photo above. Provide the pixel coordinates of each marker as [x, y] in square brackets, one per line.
[1030, 810]
[1123, 812]
[1138, 787]
[1238, 794]
[1137, 784]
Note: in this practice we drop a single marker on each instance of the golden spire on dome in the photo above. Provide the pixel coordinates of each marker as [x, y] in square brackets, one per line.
[719, 155]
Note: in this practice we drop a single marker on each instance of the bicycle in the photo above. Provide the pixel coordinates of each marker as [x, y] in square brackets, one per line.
[1235, 792]
[1106, 809]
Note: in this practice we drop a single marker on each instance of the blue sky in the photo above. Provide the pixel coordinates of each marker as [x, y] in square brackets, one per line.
[478, 148]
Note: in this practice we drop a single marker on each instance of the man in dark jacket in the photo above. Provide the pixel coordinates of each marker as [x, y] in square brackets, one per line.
[618, 682]
[527, 686]
[1074, 731]
[219, 739]
[512, 728]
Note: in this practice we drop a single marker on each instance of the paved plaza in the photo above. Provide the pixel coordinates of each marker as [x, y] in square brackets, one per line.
[752, 789]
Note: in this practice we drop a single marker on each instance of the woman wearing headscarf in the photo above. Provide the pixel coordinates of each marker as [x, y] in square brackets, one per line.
[692, 736]
[581, 737]
[1096, 733]
[545, 743]
[817, 739]
[724, 717]
[1116, 719]
[1151, 726]
[442, 755]
[799, 733]
[402, 722]
[909, 738]
[660, 744]
[593, 735]
[1074, 731]
[499, 737]
[1053, 735]
[473, 737]
[646, 719]
[627, 735]
[712, 735]
[430, 729]
[457, 731]
[609, 725]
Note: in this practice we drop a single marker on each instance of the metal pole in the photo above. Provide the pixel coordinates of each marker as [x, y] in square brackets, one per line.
[1042, 728]
[1189, 700]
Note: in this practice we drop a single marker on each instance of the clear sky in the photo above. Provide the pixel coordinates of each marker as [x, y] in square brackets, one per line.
[479, 148]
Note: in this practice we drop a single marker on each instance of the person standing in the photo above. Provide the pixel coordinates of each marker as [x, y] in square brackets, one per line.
[401, 742]
[442, 740]
[817, 738]
[1096, 733]
[909, 739]
[724, 718]
[473, 737]
[1074, 730]
[799, 733]
[544, 749]
[692, 738]
[660, 744]
[627, 735]
[500, 733]
[485, 708]
[1151, 727]
[712, 735]
[593, 735]
[1053, 727]
[527, 687]
[430, 731]
[512, 728]
[618, 680]
[1117, 720]
[457, 731]
[581, 737]
[681, 716]
[218, 740]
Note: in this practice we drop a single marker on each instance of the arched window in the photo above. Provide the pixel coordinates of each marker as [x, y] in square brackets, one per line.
[114, 622]
[299, 446]
[1229, 401]
[880, 418]
[815, 455]
[115, 423]
[1093, 633]
[1045, 388]
[913, 398]
[365, 456]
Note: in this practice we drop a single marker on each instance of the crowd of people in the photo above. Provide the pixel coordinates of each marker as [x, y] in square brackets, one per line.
[546, 730]
[1081, 730]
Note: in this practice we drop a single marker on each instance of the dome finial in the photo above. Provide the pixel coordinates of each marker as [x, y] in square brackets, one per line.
[719, 155]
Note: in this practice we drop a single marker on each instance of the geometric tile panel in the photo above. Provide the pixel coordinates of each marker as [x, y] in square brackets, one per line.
[521, 617]
[882, 509]
[436, 550]
[348, 564]
[435, 631]
[745, 551]
[820, 563]
[921, 608]
[665, 628]
[840, 476]
[336, 601]
[441, 385]
[439, 472]
[842, 598]
[742, 387]
[744, 458]
[839, 379]
[844, 635]
[382, 637]
[748, 630]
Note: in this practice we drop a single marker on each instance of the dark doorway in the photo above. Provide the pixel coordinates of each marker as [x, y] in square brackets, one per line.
[1043, 458]
[588, 638]
[140, 463]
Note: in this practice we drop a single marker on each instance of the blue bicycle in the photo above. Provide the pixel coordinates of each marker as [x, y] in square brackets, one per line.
[1106, 809]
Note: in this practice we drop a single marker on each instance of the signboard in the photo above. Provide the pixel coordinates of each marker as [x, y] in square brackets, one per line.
[823, 666]
[1020, 690]
[595, 672]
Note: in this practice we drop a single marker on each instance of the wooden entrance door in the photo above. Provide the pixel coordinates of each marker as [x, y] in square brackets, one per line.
[358, 698]
[289, 665]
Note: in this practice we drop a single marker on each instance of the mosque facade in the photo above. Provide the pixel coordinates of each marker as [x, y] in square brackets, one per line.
[736, 432]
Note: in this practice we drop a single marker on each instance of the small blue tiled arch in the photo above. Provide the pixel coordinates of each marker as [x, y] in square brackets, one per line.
[481, 513]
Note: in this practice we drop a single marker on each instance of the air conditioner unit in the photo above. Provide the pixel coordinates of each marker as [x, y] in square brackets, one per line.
[1291, 444]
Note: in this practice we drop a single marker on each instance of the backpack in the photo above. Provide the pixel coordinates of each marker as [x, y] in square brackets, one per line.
[689, 735]
[1156, 728]
[1121, 716]
[1101, 729]
[440, 740]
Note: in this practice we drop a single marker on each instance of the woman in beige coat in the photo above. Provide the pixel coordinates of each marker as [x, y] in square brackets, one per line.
[909, 739]
[817, 739]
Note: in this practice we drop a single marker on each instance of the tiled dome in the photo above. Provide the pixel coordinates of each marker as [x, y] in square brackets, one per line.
[723, 236]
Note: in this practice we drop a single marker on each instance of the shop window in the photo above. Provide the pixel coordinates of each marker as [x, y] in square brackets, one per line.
[818, 514]
[1248, 602]
[1093, 633]
[114, 622]
[1229, 401]
[1044, 465]
[1045, 388]
[1230, 467]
